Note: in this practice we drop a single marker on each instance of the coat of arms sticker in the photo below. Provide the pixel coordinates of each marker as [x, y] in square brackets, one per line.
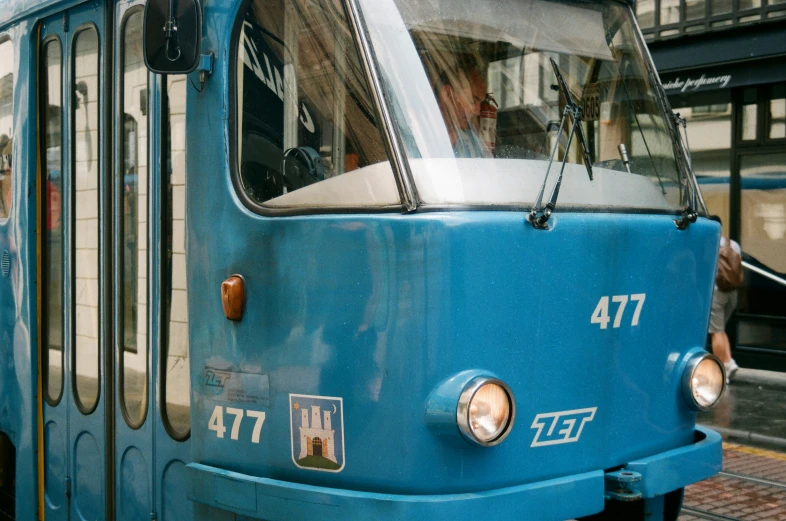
[317, 432]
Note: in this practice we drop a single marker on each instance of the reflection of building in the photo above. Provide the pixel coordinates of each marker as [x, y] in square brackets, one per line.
[721, 63]
[318, 438]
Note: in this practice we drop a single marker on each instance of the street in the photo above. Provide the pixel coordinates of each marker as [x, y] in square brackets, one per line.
[752, 485]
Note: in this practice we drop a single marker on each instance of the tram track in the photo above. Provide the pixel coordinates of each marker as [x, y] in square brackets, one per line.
[704, 514]
[753, 479]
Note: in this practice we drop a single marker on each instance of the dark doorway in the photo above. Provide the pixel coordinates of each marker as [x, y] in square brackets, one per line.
[316, 447]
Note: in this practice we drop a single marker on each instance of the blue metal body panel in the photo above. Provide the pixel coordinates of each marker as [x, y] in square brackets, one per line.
[677, 468]
[379, 310]
[274, 500]
[18, 329]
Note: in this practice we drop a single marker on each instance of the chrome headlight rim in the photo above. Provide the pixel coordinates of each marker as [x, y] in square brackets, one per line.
[462, 411]
[687, 378]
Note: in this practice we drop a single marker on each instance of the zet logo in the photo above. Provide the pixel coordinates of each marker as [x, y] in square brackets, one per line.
[317, 432]
[560, 427]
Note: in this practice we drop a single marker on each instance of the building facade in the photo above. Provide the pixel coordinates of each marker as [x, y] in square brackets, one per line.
[723, 65]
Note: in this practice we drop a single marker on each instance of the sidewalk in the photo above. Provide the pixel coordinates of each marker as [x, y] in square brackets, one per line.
[753, 410]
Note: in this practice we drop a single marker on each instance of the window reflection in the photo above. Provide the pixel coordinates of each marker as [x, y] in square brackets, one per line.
[645, 13]
[85, 96]
[134, 228]
[6, 125]
[52, 247]
[763, 241]
[177, 379]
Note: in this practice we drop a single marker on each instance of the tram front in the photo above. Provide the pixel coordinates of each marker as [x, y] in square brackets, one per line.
[477, 268]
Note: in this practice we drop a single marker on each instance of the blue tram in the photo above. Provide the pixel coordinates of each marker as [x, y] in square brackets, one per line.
[346, 259]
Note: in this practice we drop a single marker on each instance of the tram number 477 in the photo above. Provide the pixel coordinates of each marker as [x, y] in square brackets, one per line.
[216, 422]
[601, 314]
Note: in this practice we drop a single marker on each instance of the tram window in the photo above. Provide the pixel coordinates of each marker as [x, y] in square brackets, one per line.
[442, 60]
[6, 125]
[52, 240]
[134, 242]
[177, 380]
[85, 152]
[305, 112]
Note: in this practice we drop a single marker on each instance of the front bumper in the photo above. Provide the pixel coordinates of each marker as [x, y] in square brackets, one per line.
[554, 499]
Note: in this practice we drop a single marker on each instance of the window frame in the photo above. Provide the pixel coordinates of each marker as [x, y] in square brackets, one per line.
[394, 153]
[42, 117]
[86, 411]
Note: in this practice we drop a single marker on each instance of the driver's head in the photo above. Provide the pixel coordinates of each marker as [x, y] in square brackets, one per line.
[460, 94]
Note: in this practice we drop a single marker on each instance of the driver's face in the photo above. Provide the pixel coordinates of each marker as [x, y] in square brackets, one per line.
[468, 96]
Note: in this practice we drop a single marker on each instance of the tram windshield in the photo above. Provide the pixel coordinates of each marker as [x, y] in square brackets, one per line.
[446, 63]
[474, 91]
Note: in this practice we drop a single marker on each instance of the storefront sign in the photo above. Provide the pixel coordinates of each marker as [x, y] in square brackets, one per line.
[693, 84]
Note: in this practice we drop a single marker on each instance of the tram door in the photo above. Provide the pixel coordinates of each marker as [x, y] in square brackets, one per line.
[113, 309]
[73, 273]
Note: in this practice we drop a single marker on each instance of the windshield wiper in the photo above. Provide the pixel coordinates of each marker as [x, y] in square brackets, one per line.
[538, 215]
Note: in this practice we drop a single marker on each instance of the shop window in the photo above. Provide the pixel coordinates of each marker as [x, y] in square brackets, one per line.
[669, 12]
[694, 9]
[749, 120]
[677, 17]
[777, 114]
[709, 128]
[720, 7]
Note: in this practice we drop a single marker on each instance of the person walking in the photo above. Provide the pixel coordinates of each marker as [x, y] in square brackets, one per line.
[728, 278]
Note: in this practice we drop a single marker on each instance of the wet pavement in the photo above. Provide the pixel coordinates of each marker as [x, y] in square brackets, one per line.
[751, 487]
[753, 410]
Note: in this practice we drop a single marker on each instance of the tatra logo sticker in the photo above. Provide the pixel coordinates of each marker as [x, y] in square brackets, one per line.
[560, 427]
[317, 432]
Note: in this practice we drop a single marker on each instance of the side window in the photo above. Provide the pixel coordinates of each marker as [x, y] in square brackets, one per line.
[134, 205]
[52, 237]
[305, 112]
[177, 380]
[84, 113]
[6, 124]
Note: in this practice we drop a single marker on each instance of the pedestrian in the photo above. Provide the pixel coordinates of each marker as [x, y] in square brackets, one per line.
[728, 278]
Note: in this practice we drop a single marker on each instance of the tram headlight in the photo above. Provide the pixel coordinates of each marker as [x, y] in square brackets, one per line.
[486, 411]
[704, 381]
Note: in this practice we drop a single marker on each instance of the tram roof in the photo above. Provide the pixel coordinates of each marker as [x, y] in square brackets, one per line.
[15, 10]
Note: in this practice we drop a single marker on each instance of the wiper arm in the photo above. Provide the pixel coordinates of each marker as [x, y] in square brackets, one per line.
[538, 215]
[563, 86]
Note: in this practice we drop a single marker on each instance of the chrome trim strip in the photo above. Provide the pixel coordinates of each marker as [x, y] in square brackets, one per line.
[399, 162]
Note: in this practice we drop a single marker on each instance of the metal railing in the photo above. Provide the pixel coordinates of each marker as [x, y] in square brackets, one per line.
[764, 273]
